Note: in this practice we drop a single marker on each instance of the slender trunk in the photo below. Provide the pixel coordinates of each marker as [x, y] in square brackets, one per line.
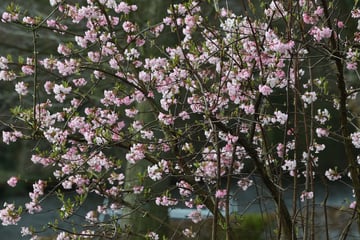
[349, 150]
[284, 215]
[345, 132]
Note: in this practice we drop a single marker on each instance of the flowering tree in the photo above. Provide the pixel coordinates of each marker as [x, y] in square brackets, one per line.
[233, 98]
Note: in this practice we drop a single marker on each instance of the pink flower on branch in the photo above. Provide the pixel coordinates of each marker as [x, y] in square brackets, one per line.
[332, 174]
[195, 216]
[185, 189]
[68, 67]
[221, 193]
[12, 181]
[152, 236]
[9, 215]
[320, 33]
[265, 90]
[355, 138]
[9, 17]
[166, 201]
[11, 136]
[21, 88]
[245, 183]
[306, 196]
[54, 2]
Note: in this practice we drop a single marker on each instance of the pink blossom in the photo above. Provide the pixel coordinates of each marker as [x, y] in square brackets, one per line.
[27, 69]
[81, 41]
[280, 150]
[168, 21]
[54, 2]
[309, 97]
[45, 161]
[351, 65]
[185, 189]
[123, 7]
[190, 21]
[99, 74]
[128, 27]
[157, 30]
[248, 109]
[319, 11]
[265, 90]
[321, 132]
[340, 24]
[155, 172]
[322, 116]
[137, 153]
[289, 165]
[99, 161]
[280, 117]
[147, 134]
[167, 102]
[11, 136]
[33, 207]
[275, 10]
[131, 113]
[190, 203]
[131, 54]
[320, 33]
[64, 49]
[195, 216]
[68, 67]
[308, 19]
[188, 233]
[355, 13]
[4, 63]
[79, 82]
[9, 17]
[91, 217]
[306, 195]
[166, 119]
[29, 20]
[355, 138]
[12, 181]
[61, 91]
[152, 236]
[94, 56]
[25, 231]
[138, 189]
[67, 184]
[21, 88]
[56, 135]
[332, 174]
[49, 63]
[7, 75]
[221, 193]
[9, 215]
[245, 183]
[166, 201]
[207, 170]
[184, 115]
